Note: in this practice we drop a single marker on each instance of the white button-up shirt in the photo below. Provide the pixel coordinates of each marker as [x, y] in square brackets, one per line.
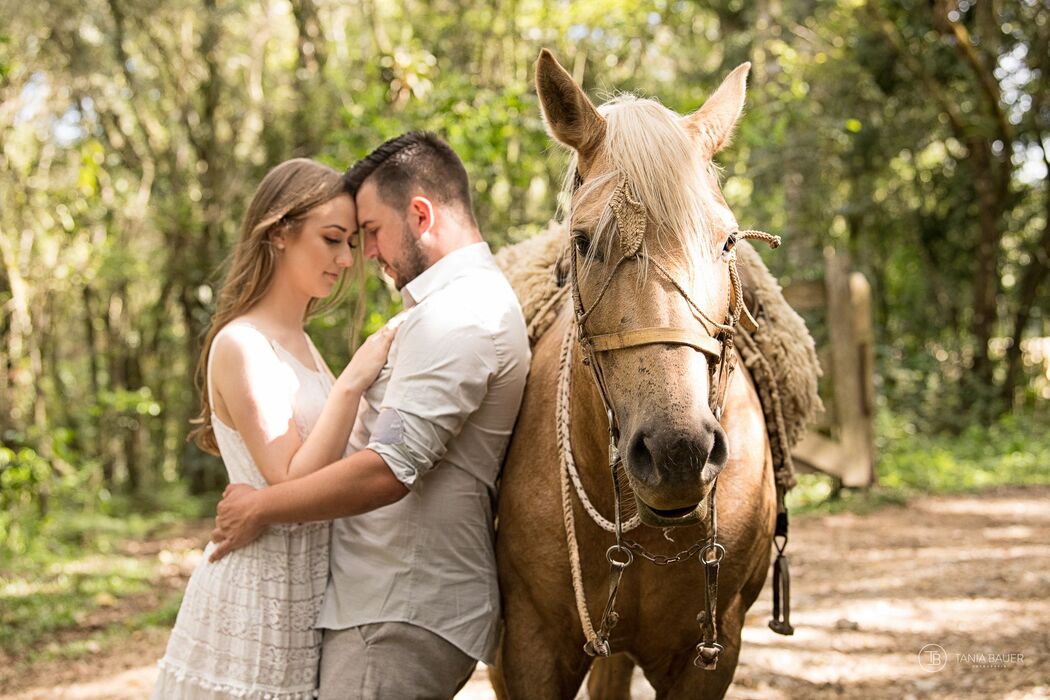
[440, 415]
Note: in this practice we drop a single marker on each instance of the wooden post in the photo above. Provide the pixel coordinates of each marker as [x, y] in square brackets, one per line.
[850, 454]
[864, 335]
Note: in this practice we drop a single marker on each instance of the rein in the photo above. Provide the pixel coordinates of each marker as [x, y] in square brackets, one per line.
[631, 223]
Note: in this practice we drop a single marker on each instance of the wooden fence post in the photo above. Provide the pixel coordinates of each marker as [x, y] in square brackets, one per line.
[850, 453]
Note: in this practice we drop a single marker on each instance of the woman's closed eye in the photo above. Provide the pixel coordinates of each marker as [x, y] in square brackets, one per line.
[336, 235]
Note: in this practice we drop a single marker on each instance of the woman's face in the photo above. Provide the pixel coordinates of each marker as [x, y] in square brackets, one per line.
[316, 257]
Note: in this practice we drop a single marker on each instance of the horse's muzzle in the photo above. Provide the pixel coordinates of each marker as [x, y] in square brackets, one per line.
[672, 471]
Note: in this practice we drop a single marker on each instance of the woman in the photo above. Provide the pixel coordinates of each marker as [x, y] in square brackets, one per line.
[273, 411]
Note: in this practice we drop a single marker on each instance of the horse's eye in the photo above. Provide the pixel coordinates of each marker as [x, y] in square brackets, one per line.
[581, 241]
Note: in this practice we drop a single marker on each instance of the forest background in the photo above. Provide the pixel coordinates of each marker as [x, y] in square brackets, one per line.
[914, 136]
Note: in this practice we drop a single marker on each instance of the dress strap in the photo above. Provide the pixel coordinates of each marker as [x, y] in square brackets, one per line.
[319, 362]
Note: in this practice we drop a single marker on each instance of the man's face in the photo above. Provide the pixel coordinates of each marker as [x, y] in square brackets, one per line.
[388, 237]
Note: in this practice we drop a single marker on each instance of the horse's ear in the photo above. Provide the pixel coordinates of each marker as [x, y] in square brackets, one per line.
[714, 122]
[571, 117]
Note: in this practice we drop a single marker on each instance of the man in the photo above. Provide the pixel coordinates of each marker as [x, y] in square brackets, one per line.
[412, 600]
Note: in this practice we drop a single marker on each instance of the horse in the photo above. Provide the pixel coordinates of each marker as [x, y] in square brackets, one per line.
[633, 386]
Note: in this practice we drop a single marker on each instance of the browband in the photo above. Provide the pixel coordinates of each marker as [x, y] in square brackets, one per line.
[652, 336]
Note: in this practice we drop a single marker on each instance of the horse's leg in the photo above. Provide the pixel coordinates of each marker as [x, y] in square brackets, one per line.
[535, 660]
[712, 685]
[679, 679]
[683, 681]
[610, 678]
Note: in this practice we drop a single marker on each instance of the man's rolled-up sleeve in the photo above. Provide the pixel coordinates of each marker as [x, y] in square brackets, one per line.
[440, 377]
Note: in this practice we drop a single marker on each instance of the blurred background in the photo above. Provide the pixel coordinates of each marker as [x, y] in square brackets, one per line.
[909, 138]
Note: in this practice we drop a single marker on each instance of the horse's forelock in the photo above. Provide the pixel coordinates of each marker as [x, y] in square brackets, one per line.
[647, 143]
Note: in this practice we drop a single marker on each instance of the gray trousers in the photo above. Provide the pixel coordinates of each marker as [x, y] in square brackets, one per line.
[391, 661]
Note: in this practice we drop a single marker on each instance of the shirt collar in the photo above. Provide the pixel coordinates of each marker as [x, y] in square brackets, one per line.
[452, 266]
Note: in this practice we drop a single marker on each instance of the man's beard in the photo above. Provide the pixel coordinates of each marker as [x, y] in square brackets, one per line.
[413, 262]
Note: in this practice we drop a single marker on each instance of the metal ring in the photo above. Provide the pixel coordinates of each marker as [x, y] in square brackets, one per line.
[616, 548]
[718, 549]
[710, 649]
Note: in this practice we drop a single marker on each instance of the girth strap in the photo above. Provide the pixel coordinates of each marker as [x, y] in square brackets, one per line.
[652, 336]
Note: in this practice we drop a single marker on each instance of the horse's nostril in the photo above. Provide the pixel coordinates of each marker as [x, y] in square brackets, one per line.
[719, 449]
[640, 459]
[717, 455]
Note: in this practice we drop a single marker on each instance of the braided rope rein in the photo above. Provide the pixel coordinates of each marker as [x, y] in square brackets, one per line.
[564, 432]
[570, 480]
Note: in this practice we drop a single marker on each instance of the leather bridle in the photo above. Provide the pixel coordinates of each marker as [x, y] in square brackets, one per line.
[718, 345]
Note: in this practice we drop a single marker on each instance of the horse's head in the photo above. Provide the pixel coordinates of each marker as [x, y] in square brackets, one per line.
[648, 225]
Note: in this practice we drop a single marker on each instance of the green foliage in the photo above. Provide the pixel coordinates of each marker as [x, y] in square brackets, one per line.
[36, 492]
[129, 153]
[24, 476]
[62, 594]
[133, 151]
[78, 566]
[816, 494]
[1013, 451]
[47, 513]
[5, 61]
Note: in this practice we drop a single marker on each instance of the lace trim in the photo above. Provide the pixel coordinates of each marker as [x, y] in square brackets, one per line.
[180, 676]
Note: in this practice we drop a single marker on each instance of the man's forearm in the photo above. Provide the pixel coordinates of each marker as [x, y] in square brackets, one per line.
[356, 484]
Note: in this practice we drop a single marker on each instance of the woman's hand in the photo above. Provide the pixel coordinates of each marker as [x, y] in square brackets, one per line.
[364, 366]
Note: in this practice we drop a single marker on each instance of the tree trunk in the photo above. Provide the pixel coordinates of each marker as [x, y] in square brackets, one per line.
[19, 337]
[118, 383]
[137, 424]
[311, 62]
[1032, 279]
[195, 469]
[93, 382]
[986, 261]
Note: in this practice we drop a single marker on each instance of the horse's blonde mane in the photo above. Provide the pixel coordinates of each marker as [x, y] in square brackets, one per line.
[647, 143]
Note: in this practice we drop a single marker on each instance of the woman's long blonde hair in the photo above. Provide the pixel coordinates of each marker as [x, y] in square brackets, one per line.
[280, 204]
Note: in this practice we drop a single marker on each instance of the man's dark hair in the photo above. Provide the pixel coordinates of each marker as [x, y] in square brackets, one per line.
[416, 161]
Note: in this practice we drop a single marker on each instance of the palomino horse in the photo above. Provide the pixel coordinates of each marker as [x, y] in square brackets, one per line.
[647, 340]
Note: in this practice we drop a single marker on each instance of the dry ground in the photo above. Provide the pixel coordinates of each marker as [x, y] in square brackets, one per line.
[968, 573]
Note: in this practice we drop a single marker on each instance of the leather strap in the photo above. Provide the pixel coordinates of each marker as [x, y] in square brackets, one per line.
[653, 336]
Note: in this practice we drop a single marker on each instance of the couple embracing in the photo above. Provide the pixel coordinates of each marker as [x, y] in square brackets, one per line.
[353, 554]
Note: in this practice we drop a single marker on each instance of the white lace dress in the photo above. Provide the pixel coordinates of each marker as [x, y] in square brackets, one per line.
[246, 625]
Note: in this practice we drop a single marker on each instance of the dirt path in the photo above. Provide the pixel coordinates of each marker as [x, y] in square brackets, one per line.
[969, 574]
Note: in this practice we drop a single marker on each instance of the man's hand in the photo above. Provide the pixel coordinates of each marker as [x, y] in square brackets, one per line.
[236, 521]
